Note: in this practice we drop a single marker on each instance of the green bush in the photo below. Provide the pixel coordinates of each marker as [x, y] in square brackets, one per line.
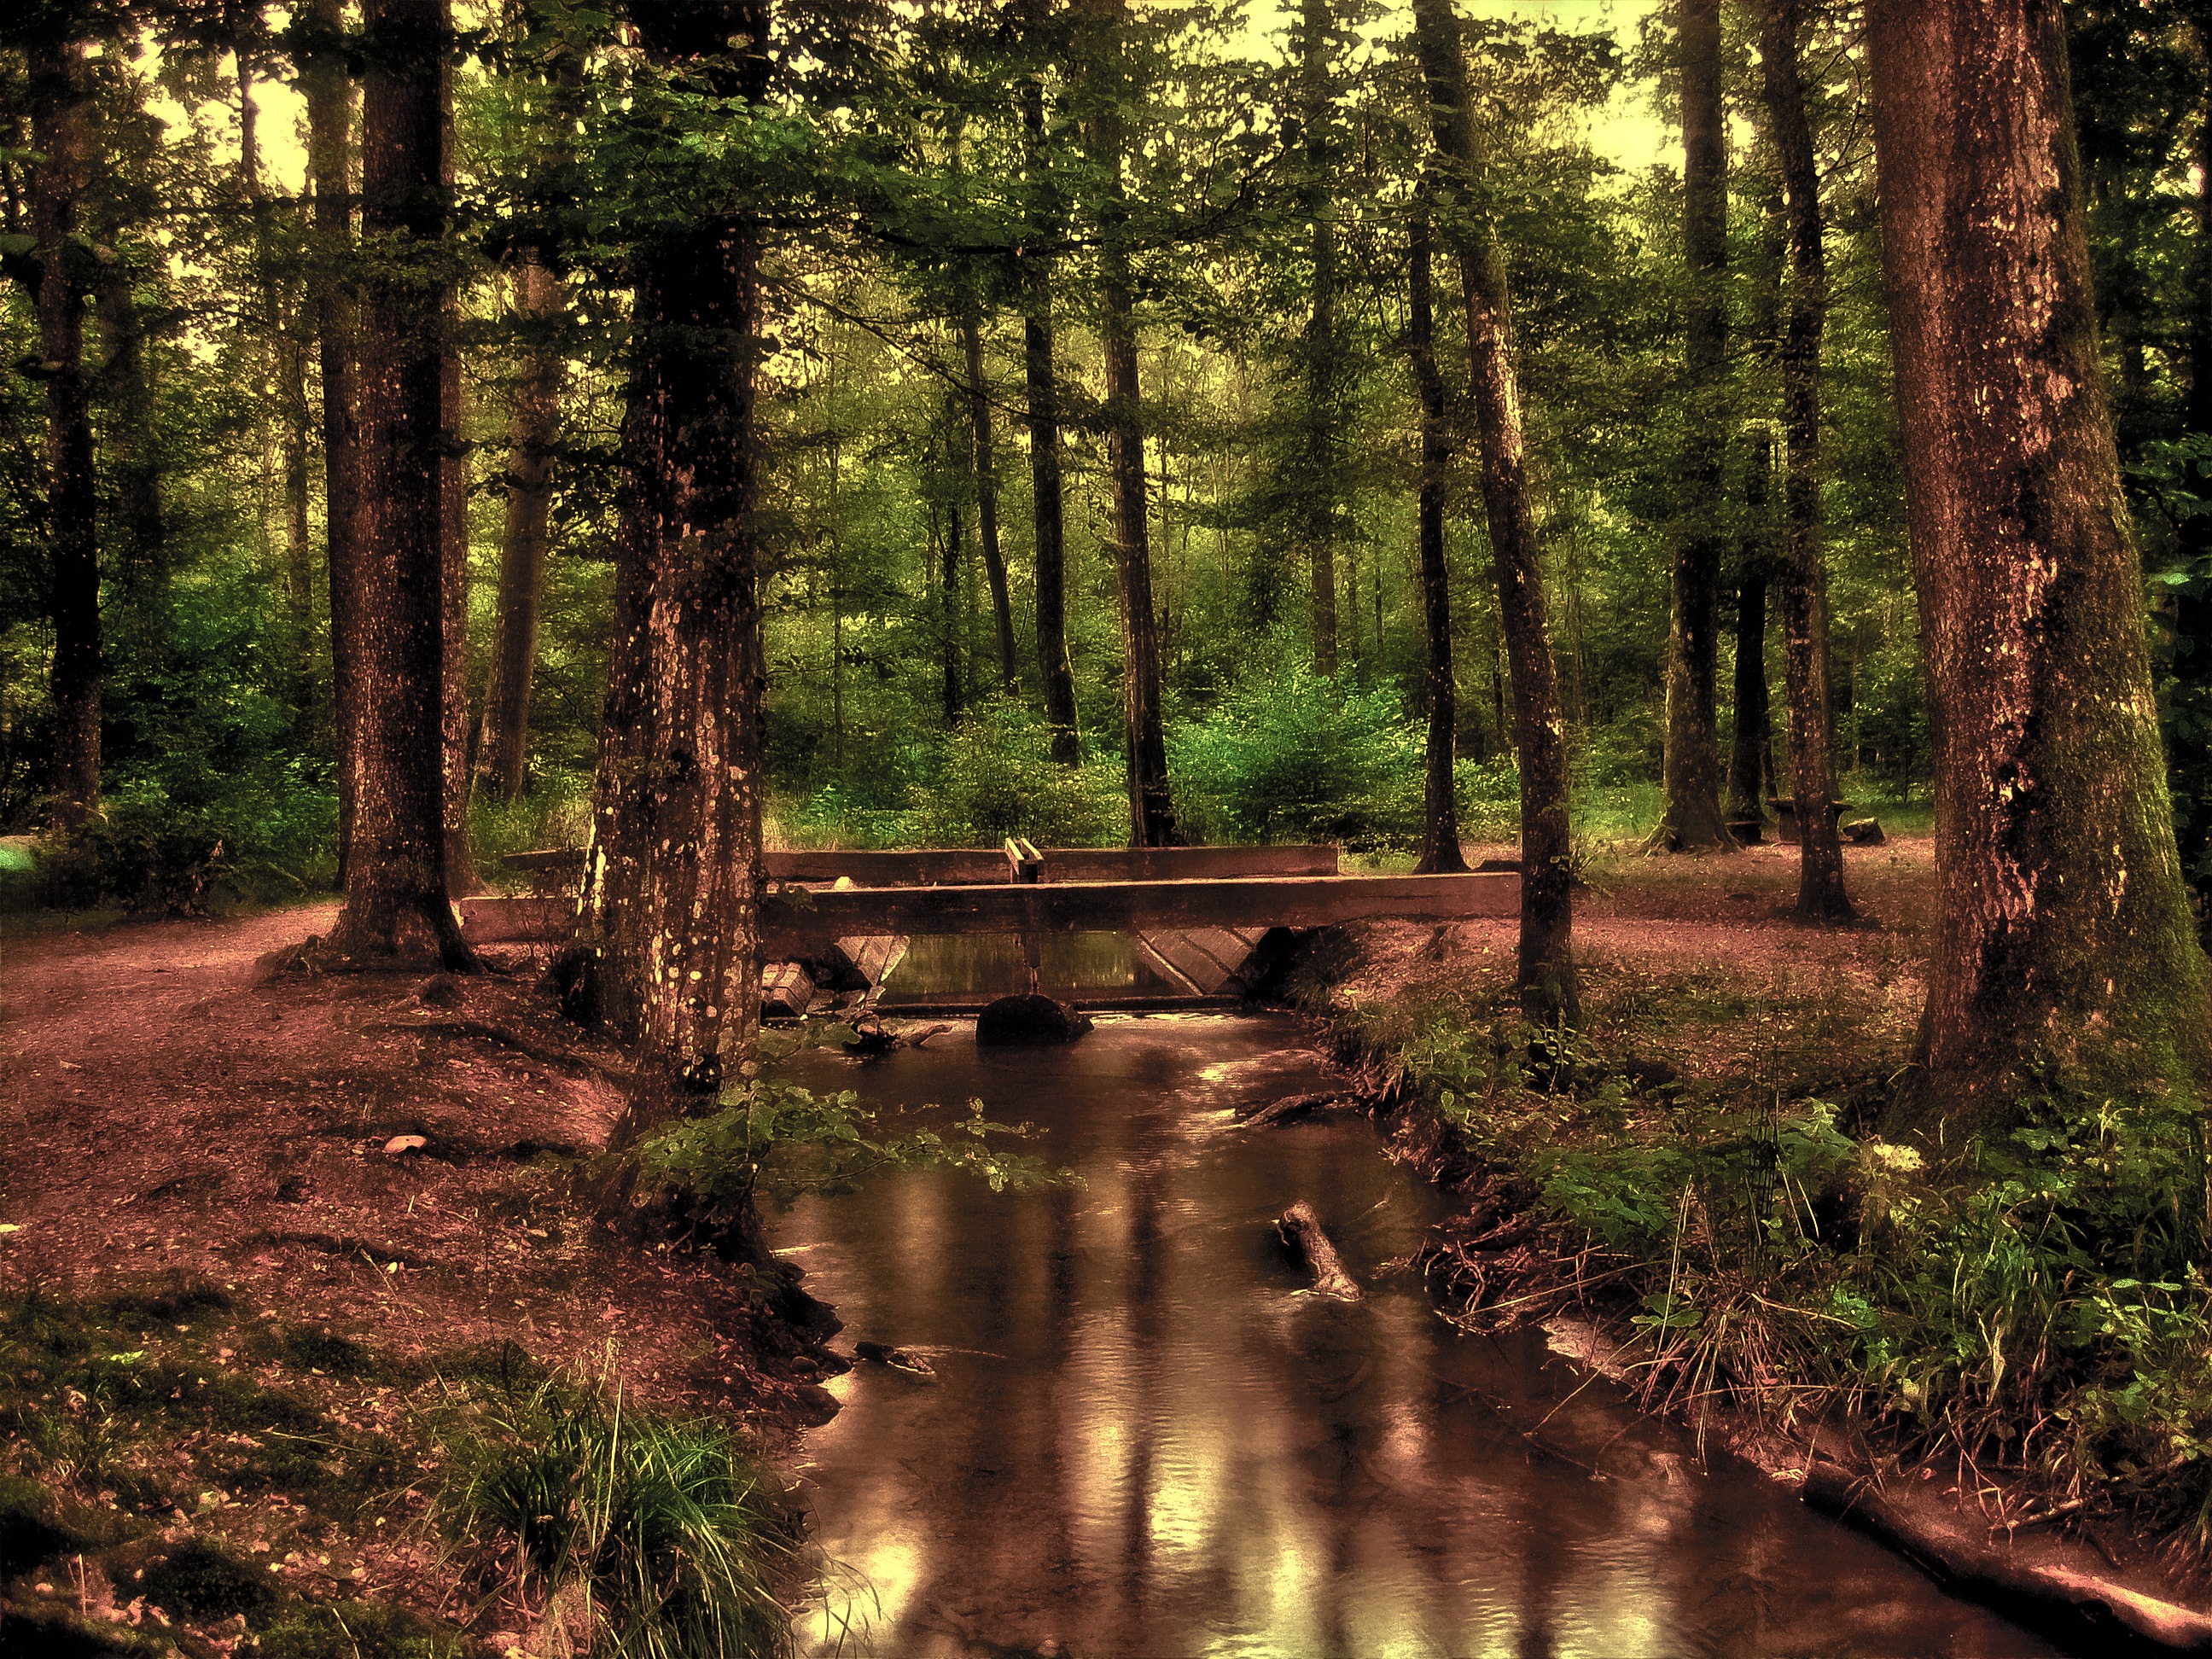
[995, 777]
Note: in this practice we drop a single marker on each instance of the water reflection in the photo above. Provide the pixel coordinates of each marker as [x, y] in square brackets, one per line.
[940, 967]
[1142, 1439]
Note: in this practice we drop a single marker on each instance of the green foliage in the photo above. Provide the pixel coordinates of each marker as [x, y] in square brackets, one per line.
[657, 1531]
[151, 852]
[993, 777]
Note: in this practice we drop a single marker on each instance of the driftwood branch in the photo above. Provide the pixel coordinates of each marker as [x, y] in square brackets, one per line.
[1302, 1230]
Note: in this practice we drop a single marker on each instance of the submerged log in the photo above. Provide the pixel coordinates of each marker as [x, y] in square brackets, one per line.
[1302, 1230]
[1289, 1108]
[2088, 1609]
[899, 1359]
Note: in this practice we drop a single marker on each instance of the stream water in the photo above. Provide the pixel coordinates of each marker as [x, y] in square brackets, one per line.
[1145, 1439]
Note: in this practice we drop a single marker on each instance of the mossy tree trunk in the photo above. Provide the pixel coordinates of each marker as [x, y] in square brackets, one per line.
[60, 129]
[1440, 847]
[1820, 893]
[396, 852]
[674, 874]
[2062, 934]
[1547, 966]
[1693, 820]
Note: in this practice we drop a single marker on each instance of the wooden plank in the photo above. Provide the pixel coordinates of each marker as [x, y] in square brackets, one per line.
[493, 918]
[1088, 864]
[787, 991]
[976, 867]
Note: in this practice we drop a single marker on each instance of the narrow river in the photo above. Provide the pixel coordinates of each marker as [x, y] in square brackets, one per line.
[1143, 1438]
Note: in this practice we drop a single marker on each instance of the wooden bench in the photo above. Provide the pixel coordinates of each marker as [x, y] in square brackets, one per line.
[1785, 808]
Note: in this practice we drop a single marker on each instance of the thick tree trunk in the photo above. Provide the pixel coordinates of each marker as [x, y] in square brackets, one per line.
[985, 463]
[1316, 492]
[61, 117]
[1440, 847]
[1548, 989]
[2063, 937]
[1750, 752]
[674, 875]
[533, 426]
[1054, 669]
[1692, 818]
[326, 91]
[396, 859]
[1821, 894]
[1151, 812]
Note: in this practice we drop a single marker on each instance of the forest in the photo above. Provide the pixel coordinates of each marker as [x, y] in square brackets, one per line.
[1736, 473]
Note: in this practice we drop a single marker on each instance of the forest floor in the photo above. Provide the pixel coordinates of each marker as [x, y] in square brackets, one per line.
[229, 1314]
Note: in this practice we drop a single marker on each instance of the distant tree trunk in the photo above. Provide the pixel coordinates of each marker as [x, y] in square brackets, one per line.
[140, 559]
[299, 542]
[1316, 492]
[2062, 936]
[61, 116]
[453, 552]
[534, 427]
[1055, 671]
[2189, 733]
[987, 494]
[1548, 989]
[1820, 894]
[1151, 812]
[1692, 817]
[1750, 752]
[948, 611]
[674, 875]
[327, 92]
[396, 860]
[1440, 847]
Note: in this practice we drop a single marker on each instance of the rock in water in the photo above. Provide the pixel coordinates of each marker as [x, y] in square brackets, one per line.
[1029, 1018]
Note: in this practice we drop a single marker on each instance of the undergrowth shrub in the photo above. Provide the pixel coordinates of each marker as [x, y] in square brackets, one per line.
[994, 776]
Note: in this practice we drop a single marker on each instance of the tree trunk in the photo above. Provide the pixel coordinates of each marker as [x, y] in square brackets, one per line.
[1316, 491]
[61, 116]
[1056, 674]
[2062, 937]
[948, 610]
[987, 494]
[674, 875]
[1548, 990]
[533, 426]
[139, 560]
[1440, 847]
[2189, 728]
[396, 859]
[453, 553]
[1151, 812]
[326, 90]
[1749, 750]
[298, 541]
[1692, 818]
[1821, 894]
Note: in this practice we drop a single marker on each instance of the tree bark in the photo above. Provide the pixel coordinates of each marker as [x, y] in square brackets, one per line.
[326, 90]
[1316, 491]
[534, 427]
[1547, 966]
[395, 858]
[1054, 671]
[1692, 818]
[985, 463]
[1151, 812]
[675, 872]
[61, 118]
[2189, 733]
[1440, 847]
[1821, 894]
[2063, 937]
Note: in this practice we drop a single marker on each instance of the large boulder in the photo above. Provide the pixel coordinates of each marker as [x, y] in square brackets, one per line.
[1029, 1019]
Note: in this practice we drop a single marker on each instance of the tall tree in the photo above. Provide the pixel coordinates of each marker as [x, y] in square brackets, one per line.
[1041, 371]
[1547, 983]
[1751, 759]
[1316, 491]
[675, 872]
[1152, 811]
[1692, 817]
[1440, 847]
[983, 464]
[2062, 934]
[61, 119]
[396, 856]
[1821, 894]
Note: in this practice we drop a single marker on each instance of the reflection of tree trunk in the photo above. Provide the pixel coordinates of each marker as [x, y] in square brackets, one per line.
[1316, 492]
[326, 89]
[1692, 817]
[1820, 895]
[1051, 553]
[2062, 930]
[987, 495]
[1546, 962]
[60, 119]
[396, 859]
[533, 426]
[674, 873]
[1151, 813]
[1440, 848]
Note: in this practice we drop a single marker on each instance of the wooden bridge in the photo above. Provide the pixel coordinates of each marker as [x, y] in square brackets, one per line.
[1206, 919]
